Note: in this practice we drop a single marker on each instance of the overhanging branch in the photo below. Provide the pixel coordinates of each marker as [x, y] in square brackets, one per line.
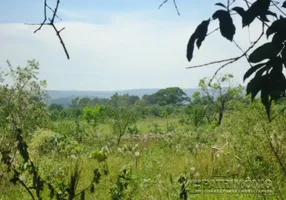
[52, 23]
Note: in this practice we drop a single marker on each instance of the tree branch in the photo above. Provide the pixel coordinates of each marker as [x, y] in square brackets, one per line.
[211, 63]
[280, 112]
[175, 5]
[242, 55]
[278, 8]
[212, 31]
[51, 23]
[45, 17]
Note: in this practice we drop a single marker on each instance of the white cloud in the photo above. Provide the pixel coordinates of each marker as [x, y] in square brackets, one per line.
[129, 52]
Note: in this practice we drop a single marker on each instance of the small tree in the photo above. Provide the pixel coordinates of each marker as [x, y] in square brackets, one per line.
[55, 106]
[22, 99]
[122, 119]
[94, 115]
[219, 93]
[195, 114]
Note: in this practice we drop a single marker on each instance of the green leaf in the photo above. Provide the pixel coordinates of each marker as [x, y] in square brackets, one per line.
[277, 65]
[271, 13]
[199, 35]
[220, 4]
[264, 69]
[226, 25]
[277, 26]
[239, 10]
[266, 51]
[278, 39]
[252, 70]
[254, 86]
[258, 8]
[277, 84]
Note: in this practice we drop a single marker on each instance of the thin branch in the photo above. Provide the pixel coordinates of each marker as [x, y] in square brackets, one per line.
[24, 185]
[163, 3]
[211, 63]
[45, 17]
[175, 5]
[278, 8]
[212, 31]
[230, 60]
[280, 112]
[242, 55]
[51, 23]
[61, 40]
[62, 29]
[242, 52]
[283, 168]
[38, 24]
[238, 46]
[54, 11]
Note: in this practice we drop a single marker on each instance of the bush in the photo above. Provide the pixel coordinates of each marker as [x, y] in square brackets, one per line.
[133, 130]
[43, 142]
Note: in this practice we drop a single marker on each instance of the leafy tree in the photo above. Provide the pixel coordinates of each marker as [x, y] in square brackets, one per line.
[171, 95]
[115, 100]
[94, 115]
[219, 94]
[132, 99]
[55, 106]
[83, 102]
[122, 119]
[22, 101]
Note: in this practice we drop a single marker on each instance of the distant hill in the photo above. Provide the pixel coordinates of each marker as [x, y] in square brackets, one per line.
[64, 97]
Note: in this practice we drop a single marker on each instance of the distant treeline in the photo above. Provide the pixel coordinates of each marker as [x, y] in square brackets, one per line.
[172, 97]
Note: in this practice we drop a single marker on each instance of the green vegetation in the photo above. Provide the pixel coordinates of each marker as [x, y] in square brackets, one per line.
[131, 148]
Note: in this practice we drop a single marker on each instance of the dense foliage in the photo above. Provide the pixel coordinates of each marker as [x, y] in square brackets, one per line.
[266, 61]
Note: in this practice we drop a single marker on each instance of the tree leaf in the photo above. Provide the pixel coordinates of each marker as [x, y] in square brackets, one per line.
[239, 10]
[278, 39]
[199, 35]
[266, 51]
[277, 65]
[226, 25]
[266, 100]
[271, 13]
[284, 4]
[255, 85]
[277, 26]
[203, 33]
[220, 4]
[258, 8]
[252, 70]
[277, 84]
[264, 69]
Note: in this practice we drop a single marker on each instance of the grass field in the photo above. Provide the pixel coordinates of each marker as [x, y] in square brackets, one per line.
[154, 162]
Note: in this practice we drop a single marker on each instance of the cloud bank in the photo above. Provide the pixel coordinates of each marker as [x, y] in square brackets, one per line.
[129, 51]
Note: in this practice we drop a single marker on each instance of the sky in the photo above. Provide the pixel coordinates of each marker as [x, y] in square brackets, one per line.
[118, 44]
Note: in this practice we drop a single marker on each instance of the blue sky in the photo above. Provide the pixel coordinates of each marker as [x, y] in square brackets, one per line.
[116, 44]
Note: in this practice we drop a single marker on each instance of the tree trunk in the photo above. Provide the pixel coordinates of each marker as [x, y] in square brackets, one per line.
[220, 118]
